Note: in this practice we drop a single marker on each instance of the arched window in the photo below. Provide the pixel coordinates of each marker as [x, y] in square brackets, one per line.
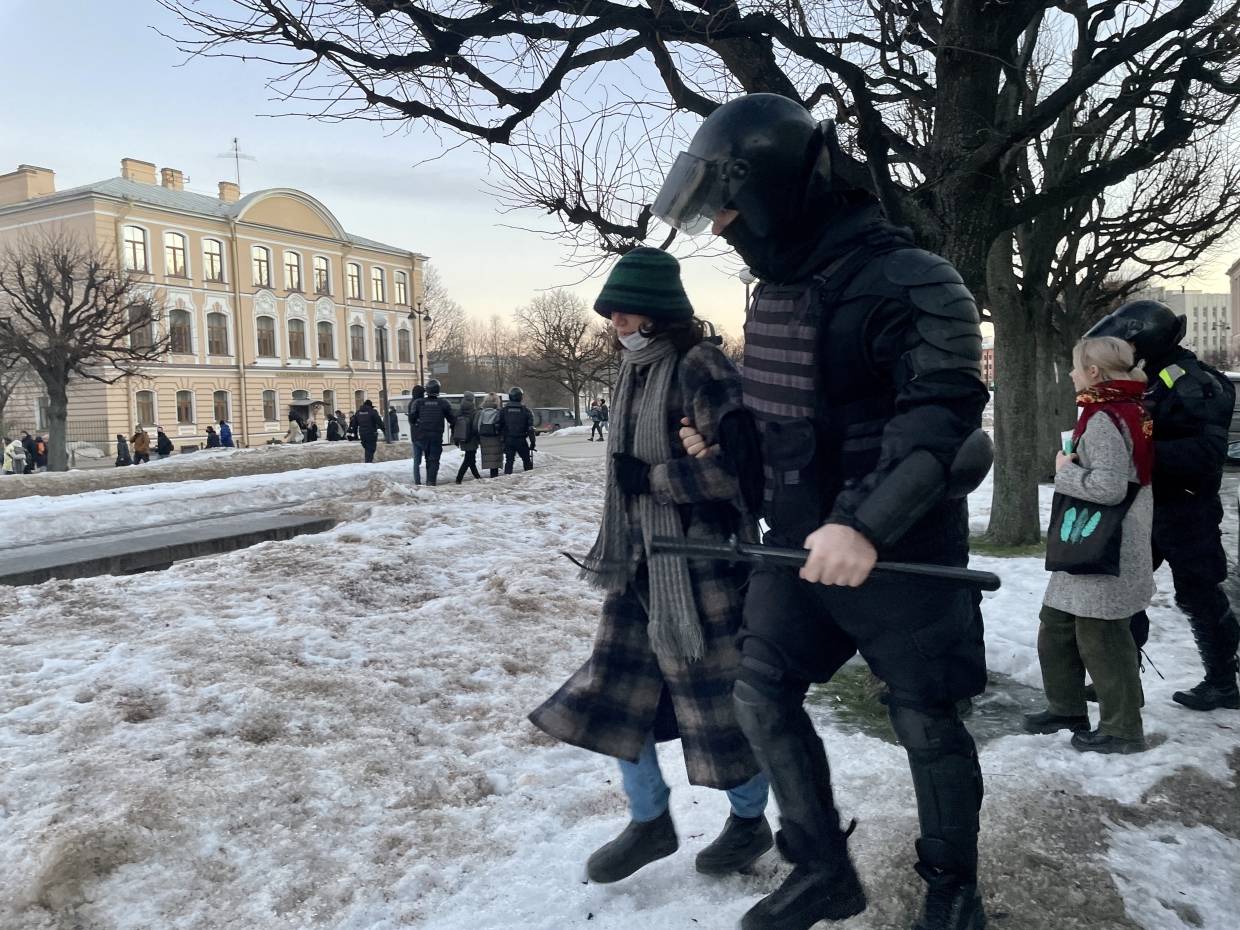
[174, 255]
[296, 338]
[185, 407]
[217, 334]
[180, 329]
[329, 402]
[404, 347]
[144, 404]
[269, 406]
[261, 258]
[400, 287]
[267, 337]
[327, 340]
[378, 291]
[135, 249]
[212, 260]
[353, 280]
[141, 334]
[322, 275]
[292, 271]
[358, 398]
[357, 343]
[219, 404]
[383, 350]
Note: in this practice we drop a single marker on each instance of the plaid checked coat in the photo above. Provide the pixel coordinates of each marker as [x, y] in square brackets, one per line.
[625, 691]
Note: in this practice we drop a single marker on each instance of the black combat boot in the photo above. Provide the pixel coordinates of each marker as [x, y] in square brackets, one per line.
[1047, 722]
[638, 844]
[1217, 644]
[823, 884]
[740, 844]
[952, 899]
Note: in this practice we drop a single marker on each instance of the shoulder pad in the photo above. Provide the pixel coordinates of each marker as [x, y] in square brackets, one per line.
[913, 267]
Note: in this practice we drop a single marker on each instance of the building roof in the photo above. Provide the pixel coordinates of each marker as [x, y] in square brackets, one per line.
[180, 202]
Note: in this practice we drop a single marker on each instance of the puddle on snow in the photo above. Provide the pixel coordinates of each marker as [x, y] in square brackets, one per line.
[851, 699]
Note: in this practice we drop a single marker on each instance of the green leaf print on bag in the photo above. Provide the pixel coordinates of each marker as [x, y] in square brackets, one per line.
[1065, 529]
[1078, 525]
[1091, 525]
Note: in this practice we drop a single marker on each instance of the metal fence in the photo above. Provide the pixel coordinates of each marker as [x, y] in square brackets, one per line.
[89, 443]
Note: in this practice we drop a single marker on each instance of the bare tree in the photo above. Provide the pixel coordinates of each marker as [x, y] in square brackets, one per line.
[13, 371]
[564, 343]
[445, 332]
[69, 312]
[938, 98]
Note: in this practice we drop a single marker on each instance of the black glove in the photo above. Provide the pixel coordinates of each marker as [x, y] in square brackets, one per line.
[632, 474]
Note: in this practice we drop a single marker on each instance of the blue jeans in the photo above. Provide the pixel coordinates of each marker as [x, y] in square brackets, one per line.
[648, 792]
[418, 451]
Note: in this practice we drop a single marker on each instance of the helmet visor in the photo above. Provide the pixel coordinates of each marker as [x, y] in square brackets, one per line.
[691, 195]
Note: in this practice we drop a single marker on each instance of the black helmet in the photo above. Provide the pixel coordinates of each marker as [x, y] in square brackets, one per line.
[432, 387]
[1151, 327]
[515, 395]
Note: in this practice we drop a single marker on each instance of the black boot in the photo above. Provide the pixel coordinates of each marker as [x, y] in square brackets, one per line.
[1097, 741]
[1047, 722]
[740, 844]
[431, 475]
[637, 845]
[952, 901]
[1217, 644]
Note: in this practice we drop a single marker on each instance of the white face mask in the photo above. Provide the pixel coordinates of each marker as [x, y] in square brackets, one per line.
[635, 341]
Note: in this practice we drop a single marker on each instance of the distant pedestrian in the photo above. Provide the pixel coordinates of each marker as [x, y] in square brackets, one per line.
[28, 448]
[163, 445]
[369, 426]
[14, 456]
[122, 451]
[335, 432]
[416, 393]
[213, 438]
[141, 446]
[40, 453]
[517, 428]
[226, 437]
[489, 438]
[602, 406]
[351, 433]
[393, 424]
[312, 431]
[596, 421]
[465, 435]
[427, 416]
[296, 431]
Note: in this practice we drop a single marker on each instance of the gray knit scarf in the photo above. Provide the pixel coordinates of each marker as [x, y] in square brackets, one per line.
[675, 629]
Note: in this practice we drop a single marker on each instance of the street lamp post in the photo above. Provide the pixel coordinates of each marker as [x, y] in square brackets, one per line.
[383, 390]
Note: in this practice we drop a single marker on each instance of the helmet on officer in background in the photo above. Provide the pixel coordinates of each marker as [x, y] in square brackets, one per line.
[433, 387]
[515, 395]
[1152, 328]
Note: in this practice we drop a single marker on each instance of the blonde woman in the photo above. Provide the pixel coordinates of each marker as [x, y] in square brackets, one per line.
[1084, 618]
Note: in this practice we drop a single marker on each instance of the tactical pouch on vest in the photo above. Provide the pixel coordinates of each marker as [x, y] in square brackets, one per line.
[792, 501]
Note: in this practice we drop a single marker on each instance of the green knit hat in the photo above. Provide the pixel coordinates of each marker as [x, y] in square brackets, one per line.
[645, 282]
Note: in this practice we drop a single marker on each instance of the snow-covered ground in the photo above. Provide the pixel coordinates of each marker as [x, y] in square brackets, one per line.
[329, 732]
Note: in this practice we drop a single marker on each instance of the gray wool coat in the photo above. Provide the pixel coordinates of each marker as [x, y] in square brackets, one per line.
[1105, 468]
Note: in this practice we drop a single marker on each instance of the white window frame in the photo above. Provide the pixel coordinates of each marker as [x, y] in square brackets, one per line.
[288, 336]
[348, 281]
[137, 421]
[275, 406]
[400, 283]
[255, 282]
[193, 406]
[317, 351]
[189, 273]
[228, 335]
[378, 276]
[409, 334]
[227, 405]
[301, 280]
[223, 278]
[275, 326]
[314, 272]
[193, 347]
[362, 327]
[146, 248]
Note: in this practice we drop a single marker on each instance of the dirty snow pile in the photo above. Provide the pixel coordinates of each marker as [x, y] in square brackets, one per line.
[329, 732]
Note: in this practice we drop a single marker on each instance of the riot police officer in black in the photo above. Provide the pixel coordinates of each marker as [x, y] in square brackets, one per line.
[1191, 406]
[863, 373]
[516, 427]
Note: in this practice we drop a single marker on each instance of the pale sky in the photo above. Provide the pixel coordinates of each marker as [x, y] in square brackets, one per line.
[89, 82]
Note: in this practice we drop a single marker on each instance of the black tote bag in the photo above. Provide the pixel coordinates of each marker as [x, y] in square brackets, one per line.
[1084, 538]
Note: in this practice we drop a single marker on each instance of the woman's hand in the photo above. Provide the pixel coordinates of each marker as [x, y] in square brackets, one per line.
[1062, 459]
[694, 442]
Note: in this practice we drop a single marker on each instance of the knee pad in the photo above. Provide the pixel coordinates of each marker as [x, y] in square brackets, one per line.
[930, 733]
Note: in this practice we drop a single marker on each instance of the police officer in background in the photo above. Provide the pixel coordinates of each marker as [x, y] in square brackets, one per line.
[516, 426]
[863, 372]
[427, 416]
[1191, 406]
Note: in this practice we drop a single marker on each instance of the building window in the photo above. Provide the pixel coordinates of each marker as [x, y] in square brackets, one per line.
[296, 338]
[141, 336]
[219, 406]
[262, 266]
[180, 326]
[404, 348]
[353, 279]
[212, 260]
[378, 292]
[327, 340]
[359, 398]
[135, 249]
[269, 406]
[267, 337]
[174, 255]
[217, 334]
[322, 275]
[382, 349]
[185, 407]
[43, 413]
[144, 401]
[329, 402]
[357, 343]
[292, 271]
[400, 285]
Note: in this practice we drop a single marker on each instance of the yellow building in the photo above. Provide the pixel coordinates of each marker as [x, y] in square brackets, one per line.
[270, 304]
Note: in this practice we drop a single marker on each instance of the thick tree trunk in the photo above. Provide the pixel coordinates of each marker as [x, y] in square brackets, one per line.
[1014, 519]
[1055, 396]
[57, 439]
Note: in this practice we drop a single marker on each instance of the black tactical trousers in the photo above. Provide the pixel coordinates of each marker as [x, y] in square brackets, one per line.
[925, 642]
[1187, 537]
[517, 447]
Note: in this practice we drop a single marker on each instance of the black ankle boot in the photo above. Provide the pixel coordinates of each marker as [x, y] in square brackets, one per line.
[637, 845]
[812, 892]
[1210, 695]
[952, 903]
[740, 844]
[1048, 722]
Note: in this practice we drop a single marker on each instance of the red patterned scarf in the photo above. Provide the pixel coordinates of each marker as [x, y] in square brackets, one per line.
[1122, 402]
